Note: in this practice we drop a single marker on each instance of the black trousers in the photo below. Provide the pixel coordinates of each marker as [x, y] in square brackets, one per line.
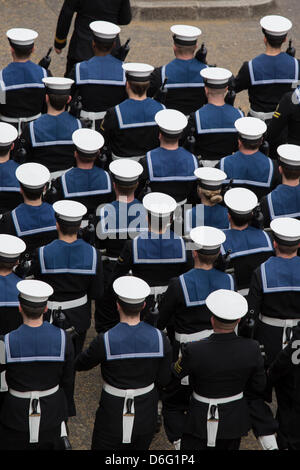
[11, 439]
[190, 442]
[100, 441]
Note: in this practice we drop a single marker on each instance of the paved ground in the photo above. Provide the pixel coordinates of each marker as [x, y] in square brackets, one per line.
[229, 43]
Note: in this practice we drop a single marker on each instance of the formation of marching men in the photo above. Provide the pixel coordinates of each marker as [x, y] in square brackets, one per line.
[141, 196]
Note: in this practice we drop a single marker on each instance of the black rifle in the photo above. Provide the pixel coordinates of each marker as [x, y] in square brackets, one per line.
[122, 52]
[291, 50]
[161, 94]
[23, 268]
[46, 60]
[190, 141]
[258, 218]
[76, 106]
[246, 329]
[265, 147]
[231, 94]
[60, 320]
[201, 54]
[21, 153]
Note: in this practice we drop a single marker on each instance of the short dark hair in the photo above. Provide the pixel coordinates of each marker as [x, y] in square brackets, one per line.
[67, 228]
[207, 259]
[170, 139]
[251, 144]
[240, 219]
[32, 194]
[22, 52]
[104, 47]
[131, 310]
[289, 173]
[138, 88]
[287, 249]
[32, 312]
[9, 265]
[87, 158]
[182, 49]
[274, 41]
[126, 190]
[58, 102]
[4, 150]
[226, 323]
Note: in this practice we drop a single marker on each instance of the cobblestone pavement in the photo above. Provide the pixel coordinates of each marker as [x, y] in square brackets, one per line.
[229, 43]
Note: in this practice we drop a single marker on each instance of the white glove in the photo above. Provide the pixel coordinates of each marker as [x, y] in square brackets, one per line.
[268, 442]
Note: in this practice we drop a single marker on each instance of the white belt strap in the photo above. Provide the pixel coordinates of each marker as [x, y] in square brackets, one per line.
[3, 384]
[108, 258]
[34, 409]
[128, 408]
[92, 116]
[261, 115]
[58, 173]
[19, 120]
[158, 290]
[213, 414]
[136, 158]
[209, 163]
[288, 323]
[67, 304]
[188, 338]
[244, 292]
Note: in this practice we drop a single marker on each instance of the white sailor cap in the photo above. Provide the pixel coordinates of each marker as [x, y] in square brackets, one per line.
[159, 204]
[276, 25]
[138, 72]
[58, 85]
[105, 30]
[184, 34]
[240, 200]
[250, 128]
[171, 121]
[8, 134]
[216, 77]
[131, 289]
[126, 170]
[32, 175]
[210, 178]
[11, 247]
[227, 304]
[87, 141]
[207, 239]
[33, 291]
[289, 155]
[69, 211]
[286, 230]
[22, 36]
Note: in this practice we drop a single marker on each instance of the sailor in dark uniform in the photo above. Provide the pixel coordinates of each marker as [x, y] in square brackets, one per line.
[246, 246]
[184, 306]
[10, 196]
[185, 86]
[284, 200]
[135, 362]
[170, 168]
[285, 124]
[39, 371]
[212, 125]
[73, 268]
[118, 12]
[48, 140]
[221, 370]
[99, 81]
[285, 365]
[120, 220]
[33, 220]
[86, 182]
[249, 167]
[156, 255]
[11, 249]
[269, 76]
[209, 211]
[129, 128]
[21, 86]
[274, 300]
